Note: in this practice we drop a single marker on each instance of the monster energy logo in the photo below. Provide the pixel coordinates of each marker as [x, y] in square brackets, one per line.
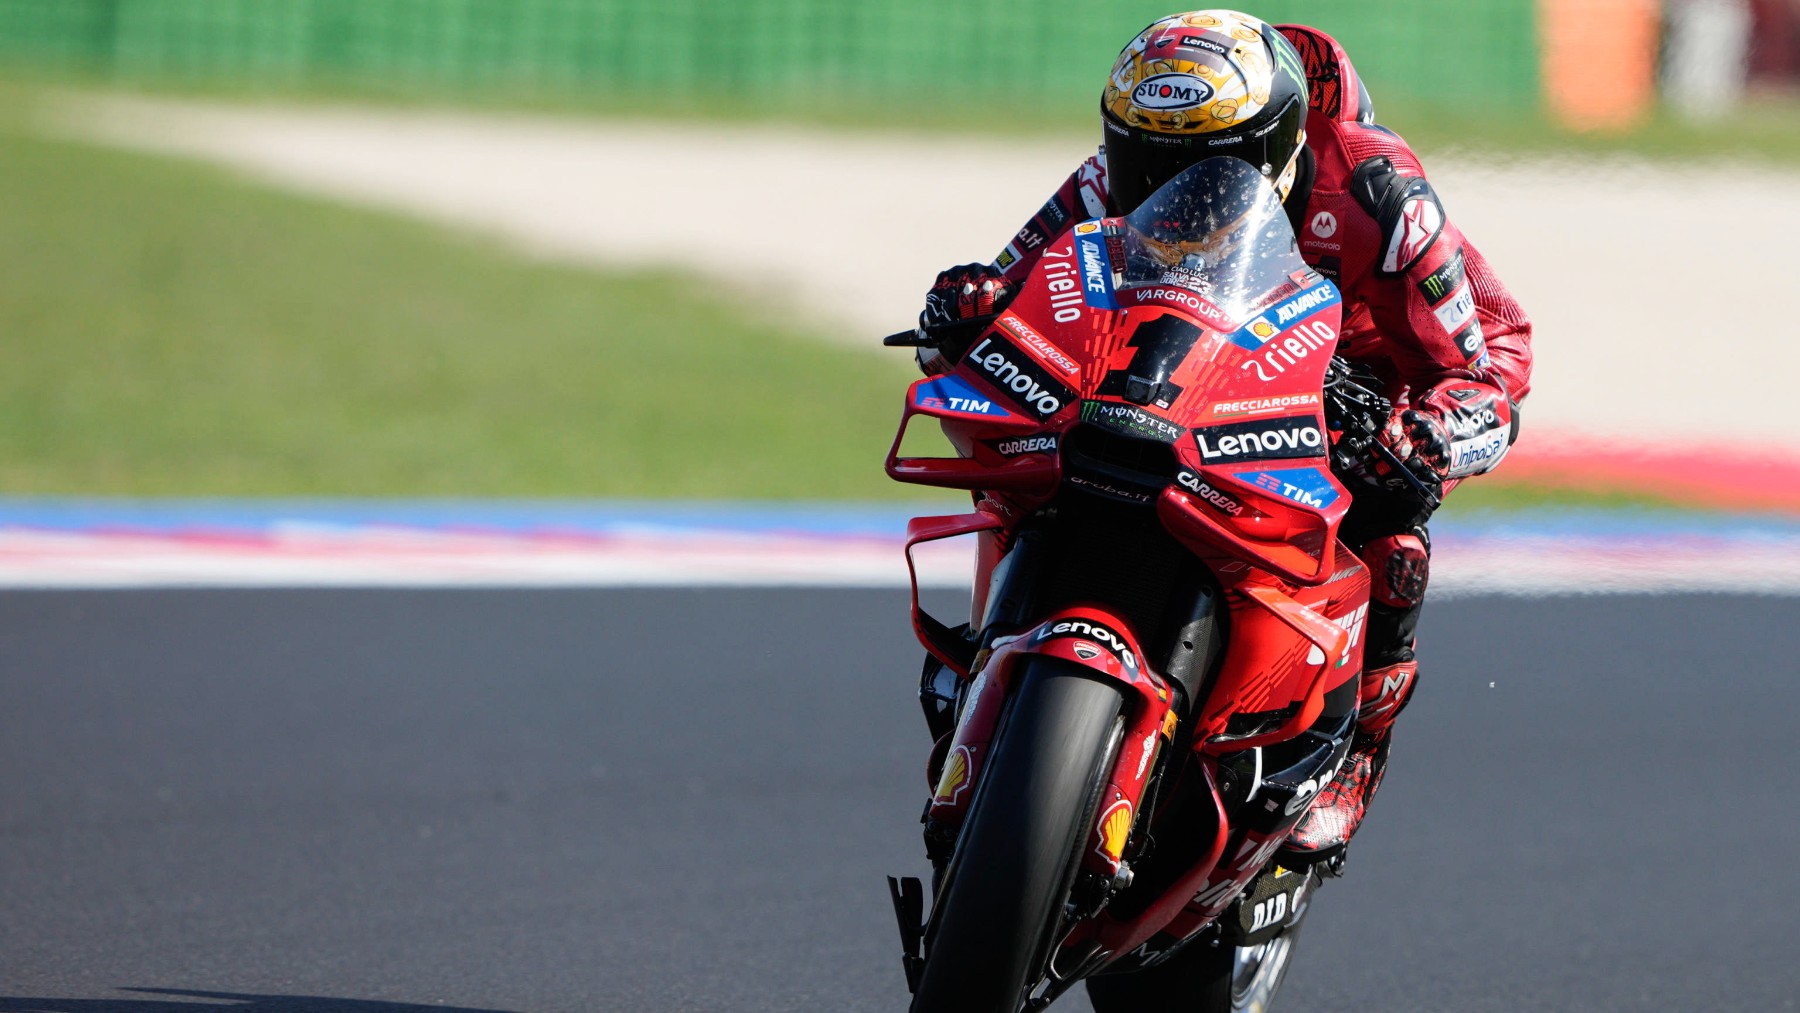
[1285, 57]
[1441, 282]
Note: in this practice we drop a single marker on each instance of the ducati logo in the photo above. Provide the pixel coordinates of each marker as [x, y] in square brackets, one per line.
[1086, 651]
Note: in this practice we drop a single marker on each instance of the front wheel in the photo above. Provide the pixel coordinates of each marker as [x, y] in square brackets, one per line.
[1003, 894]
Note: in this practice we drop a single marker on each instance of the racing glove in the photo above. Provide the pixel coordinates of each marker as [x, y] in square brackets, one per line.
[1456, 429]
[964, 292]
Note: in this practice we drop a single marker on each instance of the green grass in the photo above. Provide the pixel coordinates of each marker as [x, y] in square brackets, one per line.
[165, 329]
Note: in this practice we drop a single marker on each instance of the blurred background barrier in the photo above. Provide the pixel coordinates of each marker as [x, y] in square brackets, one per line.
[1593, 62]
[781, 51]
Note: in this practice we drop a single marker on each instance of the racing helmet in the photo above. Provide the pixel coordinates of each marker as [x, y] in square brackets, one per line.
[1195, 85]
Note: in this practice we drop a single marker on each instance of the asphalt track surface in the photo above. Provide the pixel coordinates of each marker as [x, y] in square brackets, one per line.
[532, 802]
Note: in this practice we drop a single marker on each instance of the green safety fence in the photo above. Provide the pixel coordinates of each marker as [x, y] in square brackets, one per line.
[790, 52]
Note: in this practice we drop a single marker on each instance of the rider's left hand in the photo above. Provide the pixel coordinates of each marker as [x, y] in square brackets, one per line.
[1422, 443]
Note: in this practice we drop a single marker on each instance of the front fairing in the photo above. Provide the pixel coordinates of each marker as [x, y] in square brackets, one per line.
[1192, 323]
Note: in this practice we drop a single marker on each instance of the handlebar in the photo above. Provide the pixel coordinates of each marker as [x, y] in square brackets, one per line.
[932, 336]
[1359, 414]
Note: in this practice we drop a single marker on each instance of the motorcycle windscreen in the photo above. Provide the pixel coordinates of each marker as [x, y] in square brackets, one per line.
[1218, 231]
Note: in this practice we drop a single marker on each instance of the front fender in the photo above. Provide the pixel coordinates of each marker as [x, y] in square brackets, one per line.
[1102, 643]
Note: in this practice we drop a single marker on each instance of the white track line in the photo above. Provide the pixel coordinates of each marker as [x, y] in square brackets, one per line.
[1519, 564]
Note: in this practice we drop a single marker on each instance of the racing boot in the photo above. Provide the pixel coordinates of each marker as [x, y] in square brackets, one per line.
[1338, 810]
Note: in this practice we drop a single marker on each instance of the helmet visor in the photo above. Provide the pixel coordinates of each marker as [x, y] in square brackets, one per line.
[1138, 162]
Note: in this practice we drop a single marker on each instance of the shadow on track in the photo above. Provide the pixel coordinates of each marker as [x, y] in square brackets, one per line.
[238, 1003]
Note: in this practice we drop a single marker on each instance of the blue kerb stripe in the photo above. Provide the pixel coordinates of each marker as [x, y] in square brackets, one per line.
[841, 519]
[599, 517]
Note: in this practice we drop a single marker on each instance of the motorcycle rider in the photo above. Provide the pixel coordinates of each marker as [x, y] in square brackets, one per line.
[1423, 311]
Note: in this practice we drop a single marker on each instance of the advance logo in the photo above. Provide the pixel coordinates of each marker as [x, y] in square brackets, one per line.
[1275, 439]
[1096, 272]
[1315, 298]
[1019, 376]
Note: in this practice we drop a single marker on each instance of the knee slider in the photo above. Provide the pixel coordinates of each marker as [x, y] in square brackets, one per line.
[1399, 568]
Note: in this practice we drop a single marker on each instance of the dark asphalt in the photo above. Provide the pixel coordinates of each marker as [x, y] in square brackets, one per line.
[533, 802]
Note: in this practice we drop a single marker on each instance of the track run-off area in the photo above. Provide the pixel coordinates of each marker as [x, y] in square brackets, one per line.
[1657, 289]
[539, 801]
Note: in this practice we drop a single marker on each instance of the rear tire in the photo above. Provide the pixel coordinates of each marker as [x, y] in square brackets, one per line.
[1006, 885]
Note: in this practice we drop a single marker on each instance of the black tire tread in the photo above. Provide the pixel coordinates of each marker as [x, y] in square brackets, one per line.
[1013, 859]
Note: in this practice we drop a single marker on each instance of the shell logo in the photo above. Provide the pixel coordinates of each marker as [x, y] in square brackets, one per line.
[1263, 329]
[955, 779]
[1114, 830]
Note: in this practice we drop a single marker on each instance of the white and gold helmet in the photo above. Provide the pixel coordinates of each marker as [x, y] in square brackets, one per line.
[1201, 84]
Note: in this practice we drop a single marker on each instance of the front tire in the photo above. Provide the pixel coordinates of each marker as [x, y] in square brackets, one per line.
[1003, 894]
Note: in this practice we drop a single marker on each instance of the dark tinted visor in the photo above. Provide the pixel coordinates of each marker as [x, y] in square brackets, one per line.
[1139, 162]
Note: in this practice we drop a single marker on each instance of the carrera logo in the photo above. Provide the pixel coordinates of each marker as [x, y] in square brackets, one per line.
[1020, 377]
[1260, 441]
[1192, 483]
[1026, 445]
[1096, 632]
[1165, 92]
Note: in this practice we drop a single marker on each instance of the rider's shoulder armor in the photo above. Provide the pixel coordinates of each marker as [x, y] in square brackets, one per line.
[1407, 213]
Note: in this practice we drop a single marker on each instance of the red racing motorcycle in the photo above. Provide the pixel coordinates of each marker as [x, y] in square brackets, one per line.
[1160, 670]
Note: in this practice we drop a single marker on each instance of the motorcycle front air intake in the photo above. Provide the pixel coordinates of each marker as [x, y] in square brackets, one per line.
[1160, 667]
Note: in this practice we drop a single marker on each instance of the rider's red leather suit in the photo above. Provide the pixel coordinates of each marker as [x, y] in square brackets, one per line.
[1421, 304]
[1422, 308]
